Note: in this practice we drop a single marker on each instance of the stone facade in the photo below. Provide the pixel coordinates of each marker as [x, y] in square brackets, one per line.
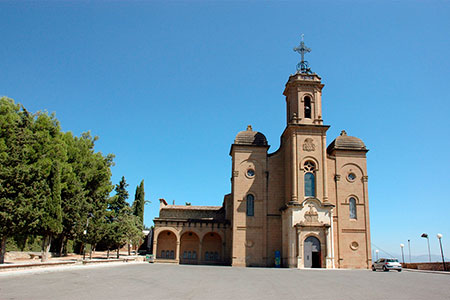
[307, 201]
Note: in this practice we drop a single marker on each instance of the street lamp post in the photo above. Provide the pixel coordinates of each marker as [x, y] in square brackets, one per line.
[376, 251]
[439, 236]
[90, 215]
[424, 235]
[409, 248]
[403, 257]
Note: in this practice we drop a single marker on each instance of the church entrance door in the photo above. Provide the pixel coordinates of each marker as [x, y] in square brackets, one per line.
[312, 253]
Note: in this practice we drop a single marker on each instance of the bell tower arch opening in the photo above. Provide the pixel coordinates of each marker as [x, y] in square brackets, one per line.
[307, 104]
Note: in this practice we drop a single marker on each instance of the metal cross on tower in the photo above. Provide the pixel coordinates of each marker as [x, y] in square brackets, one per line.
[303, 66]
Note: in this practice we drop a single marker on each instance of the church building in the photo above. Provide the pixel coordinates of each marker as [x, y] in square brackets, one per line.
[305, 205]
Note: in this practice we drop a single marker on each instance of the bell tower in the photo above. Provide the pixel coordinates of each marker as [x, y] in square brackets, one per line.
[303, 93]
[307, 214]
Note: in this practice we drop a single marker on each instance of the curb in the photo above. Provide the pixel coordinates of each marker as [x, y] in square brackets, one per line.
[427, 271]
[29, 266]
[12, 267]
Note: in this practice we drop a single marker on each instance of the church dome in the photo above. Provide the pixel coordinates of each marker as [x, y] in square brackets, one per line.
[250, 137]
[346, 142]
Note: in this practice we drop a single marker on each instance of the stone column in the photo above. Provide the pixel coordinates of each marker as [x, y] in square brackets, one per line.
[155, 248]
[337, 178]
[177, 253]
[299, 249]
[332, 239]
[199, 257]
[366, 218]
[223, 252]
[328, 239]
[294, 168]
[324, 166]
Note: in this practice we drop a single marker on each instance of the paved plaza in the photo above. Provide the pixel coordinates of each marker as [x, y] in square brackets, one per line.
[160, 281]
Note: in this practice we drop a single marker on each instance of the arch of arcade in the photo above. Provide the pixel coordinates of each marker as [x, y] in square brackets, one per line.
[191, 234]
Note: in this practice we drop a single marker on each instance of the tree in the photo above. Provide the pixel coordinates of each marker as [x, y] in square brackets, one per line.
[51, 210]
[119, 201]
[73, 193]
[49, 154]
[86, 178]
[98, 187]
[139, 202]
[133, 232]
[50, 181]
[17, 176]
[117, 209]
[138, 211]
[31, 155]
[123, 226]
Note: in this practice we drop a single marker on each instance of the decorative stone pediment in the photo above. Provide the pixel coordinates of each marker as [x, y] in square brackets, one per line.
[312, 213]
[308, 145]
[311, 217]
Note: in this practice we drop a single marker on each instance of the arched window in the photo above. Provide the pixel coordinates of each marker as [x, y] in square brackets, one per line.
[250, 205]
[352, 207]
[307, 102]
[310, 185]
[310, 179]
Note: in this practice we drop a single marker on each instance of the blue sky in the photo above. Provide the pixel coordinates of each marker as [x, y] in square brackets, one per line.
[167, 85]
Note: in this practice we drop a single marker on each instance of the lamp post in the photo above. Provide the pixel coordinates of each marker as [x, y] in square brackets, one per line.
[403, 257]
[376, 251]
[90, 215]
[424, 235]
[439, 236]
[409, 248]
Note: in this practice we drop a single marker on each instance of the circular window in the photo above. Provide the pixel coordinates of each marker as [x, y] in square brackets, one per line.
[351, 177]
[250, 172]
[354, 245]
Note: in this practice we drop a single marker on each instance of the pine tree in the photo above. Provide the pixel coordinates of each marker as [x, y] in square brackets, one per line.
[119, 201]
[98, 188]
[17, 213]
[50, 153]
[50, 181]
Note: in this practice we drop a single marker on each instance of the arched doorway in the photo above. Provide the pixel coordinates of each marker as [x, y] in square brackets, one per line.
[312, 253]
[212, 248]
[166, 245]
[189, 247]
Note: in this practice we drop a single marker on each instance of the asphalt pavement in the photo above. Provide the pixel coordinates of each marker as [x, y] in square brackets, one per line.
[164, 281]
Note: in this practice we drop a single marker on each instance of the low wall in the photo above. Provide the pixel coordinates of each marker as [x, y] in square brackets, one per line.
[435, 266]
[18, 255]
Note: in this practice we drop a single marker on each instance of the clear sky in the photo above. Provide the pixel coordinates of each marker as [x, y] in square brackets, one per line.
[166, 85]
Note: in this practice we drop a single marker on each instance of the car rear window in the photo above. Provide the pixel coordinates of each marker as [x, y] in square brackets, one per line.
[392, 260]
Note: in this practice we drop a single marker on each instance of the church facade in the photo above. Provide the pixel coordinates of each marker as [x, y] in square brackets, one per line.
[304, 205]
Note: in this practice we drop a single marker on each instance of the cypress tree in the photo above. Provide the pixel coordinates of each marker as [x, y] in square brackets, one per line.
[139, 202]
